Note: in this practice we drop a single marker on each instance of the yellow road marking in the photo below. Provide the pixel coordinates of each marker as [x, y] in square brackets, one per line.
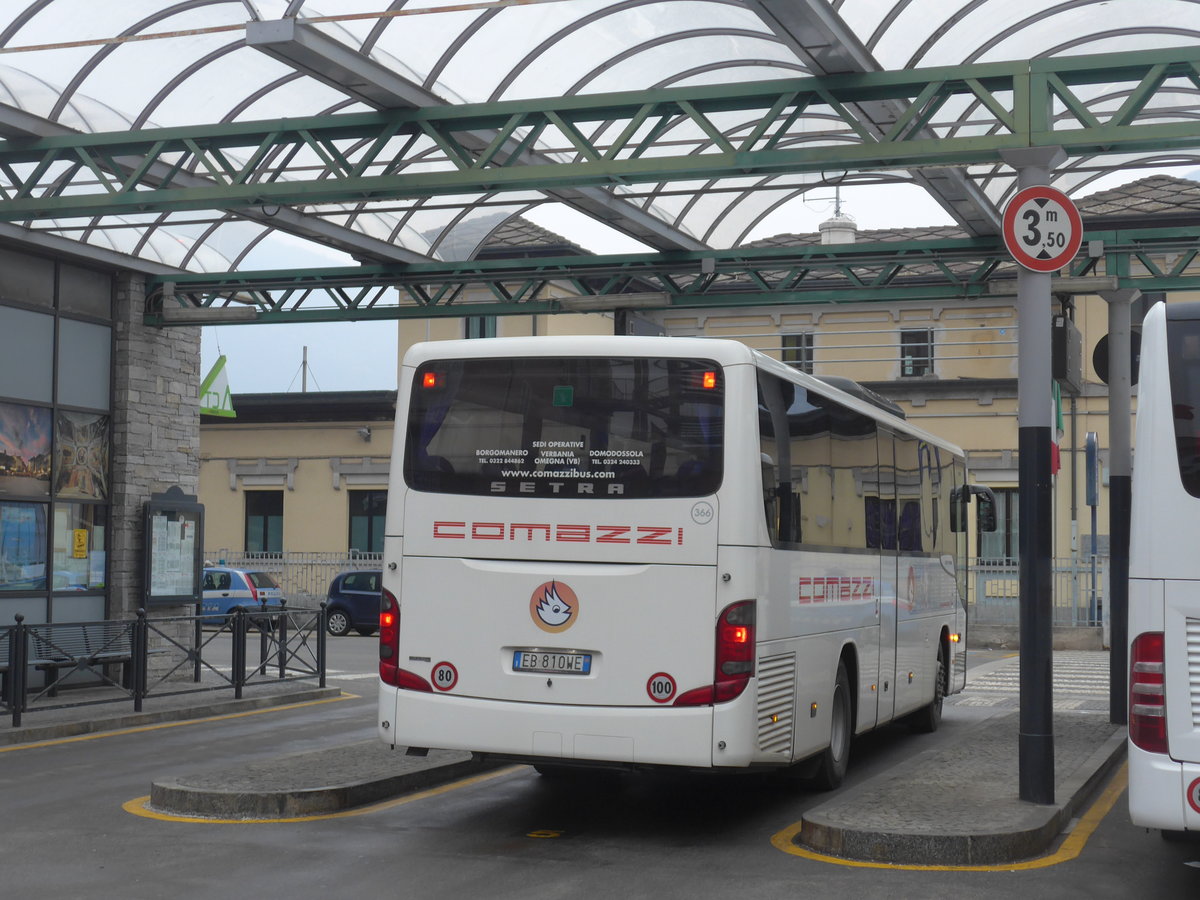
[1070, 848]
[139, 806]
[140, 729]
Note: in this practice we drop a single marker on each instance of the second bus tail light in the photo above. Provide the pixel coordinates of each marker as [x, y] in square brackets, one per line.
[1147, 694]
[389, 648]
[734, 657]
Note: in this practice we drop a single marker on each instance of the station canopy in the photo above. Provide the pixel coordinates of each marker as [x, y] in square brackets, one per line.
[77, 66]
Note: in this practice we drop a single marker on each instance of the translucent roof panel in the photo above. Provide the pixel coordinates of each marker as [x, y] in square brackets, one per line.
[78, 66]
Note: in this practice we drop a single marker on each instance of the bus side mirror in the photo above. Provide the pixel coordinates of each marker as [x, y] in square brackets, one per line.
[985, 507]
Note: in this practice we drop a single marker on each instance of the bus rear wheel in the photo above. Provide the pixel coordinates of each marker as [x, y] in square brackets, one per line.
[831, 768]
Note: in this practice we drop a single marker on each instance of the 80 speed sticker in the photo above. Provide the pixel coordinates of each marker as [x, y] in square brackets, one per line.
[661, 687]
[445, 676]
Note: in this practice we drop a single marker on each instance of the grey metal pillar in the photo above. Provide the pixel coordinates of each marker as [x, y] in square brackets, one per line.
[1120, 489]
[1034, 411]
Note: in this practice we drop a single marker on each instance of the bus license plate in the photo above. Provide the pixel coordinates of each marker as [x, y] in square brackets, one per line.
[556, 662]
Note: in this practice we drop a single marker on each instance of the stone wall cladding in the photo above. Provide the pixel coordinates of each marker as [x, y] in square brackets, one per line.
[156, 433]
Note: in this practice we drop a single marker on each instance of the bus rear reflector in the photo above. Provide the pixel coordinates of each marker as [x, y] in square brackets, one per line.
[735, 658]
[1147, 693]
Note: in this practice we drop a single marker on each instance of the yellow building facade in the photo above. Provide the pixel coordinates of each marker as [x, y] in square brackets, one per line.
[950, 365]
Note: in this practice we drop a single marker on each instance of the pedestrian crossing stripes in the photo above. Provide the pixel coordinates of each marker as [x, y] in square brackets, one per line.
[1080, 682]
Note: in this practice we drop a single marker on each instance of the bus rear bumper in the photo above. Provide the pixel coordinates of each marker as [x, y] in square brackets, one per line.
[620, 735]
[1158, 791]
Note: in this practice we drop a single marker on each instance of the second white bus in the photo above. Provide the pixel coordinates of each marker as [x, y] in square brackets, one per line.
[1164, 576]
[645, 552]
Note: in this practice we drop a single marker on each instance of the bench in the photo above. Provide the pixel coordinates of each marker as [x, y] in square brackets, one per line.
[80, 646]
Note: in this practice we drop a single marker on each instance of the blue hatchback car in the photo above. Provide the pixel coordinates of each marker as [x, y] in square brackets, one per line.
[353, 602]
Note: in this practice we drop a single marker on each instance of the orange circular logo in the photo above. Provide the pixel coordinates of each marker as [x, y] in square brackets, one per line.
[553, 607]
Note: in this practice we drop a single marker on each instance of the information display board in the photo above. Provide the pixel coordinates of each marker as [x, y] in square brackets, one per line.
[173, 541]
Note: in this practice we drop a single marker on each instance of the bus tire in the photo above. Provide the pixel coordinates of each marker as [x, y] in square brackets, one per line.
[831, 768]
[927, 719]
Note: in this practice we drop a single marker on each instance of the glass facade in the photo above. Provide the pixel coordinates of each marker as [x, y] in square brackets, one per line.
[56, 339]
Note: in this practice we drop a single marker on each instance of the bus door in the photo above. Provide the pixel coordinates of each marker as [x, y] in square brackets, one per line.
[886, 594]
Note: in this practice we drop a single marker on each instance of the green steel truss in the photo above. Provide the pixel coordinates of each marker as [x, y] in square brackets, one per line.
[1099, 104]
[1158, 259]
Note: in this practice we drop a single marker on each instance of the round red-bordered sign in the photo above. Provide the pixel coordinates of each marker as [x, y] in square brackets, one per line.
[1042, 228]
[1193, 795]
[444, 676]
[661, 687]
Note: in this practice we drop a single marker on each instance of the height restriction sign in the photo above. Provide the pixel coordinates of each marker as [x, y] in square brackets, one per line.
[1042, 228]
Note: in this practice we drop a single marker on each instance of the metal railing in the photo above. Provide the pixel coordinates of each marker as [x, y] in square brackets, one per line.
[1080, 592]
[303, 576]
[157, 657]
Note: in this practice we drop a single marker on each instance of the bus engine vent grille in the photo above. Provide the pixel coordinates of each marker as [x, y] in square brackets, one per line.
[1193, 655]
[776, 703]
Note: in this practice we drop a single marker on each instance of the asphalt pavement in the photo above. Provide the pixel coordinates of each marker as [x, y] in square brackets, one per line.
[954, 804]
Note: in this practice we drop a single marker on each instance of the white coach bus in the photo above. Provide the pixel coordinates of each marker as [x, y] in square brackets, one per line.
[643, 552]
[1164, 576]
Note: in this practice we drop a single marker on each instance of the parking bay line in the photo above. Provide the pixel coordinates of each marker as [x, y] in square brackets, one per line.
[1070, 848]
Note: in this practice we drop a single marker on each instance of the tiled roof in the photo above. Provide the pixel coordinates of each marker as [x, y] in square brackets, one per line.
[1154, 195]
[520, 233]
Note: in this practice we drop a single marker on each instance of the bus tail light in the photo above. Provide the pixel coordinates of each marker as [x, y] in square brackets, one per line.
[735, 658]
[389, 637]
[389, 647]
[1147, 694]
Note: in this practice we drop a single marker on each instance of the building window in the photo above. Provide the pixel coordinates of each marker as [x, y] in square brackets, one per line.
[479, 326]
[264, 521]
[916, 352]
[367, 511]
[798, 351]
[1001, 545]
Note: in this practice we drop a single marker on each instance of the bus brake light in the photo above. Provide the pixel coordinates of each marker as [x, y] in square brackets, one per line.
[430, 380]
[389, 637]
[709, 380]
[735, 658]
[1147, 693]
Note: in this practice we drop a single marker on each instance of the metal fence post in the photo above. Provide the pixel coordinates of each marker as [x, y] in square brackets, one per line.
[282, 634]
[140, 660]
[322, 621]
[239, 653]
[16, 659]
[197, 645]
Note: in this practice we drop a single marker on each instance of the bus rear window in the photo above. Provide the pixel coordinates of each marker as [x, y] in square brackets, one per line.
[566, 427]
[1183, 351]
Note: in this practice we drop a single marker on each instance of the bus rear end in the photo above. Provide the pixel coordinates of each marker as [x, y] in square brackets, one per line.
[551, 587]
[1164, 584]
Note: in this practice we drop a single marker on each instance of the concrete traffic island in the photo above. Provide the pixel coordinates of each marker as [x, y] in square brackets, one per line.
[313, 783]
[958, 804]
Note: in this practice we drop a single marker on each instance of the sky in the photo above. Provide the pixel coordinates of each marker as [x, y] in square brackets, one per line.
[357, 356]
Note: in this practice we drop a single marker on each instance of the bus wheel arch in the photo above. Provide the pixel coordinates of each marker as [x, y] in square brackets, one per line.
[833, 761]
